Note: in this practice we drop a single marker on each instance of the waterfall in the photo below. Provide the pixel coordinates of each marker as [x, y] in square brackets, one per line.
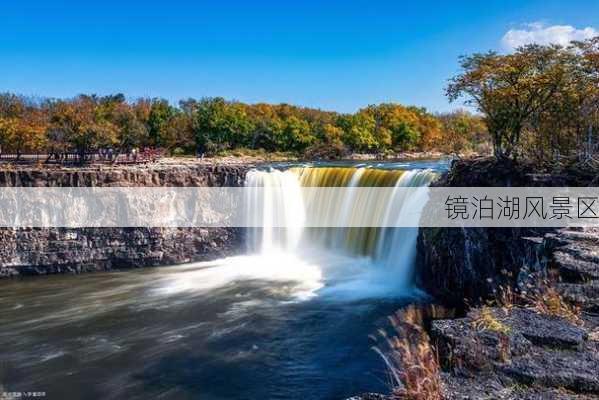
[274, 196]
[339, 264]
[388, 248]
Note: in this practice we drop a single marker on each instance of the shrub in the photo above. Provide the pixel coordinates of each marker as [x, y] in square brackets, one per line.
[178, 151]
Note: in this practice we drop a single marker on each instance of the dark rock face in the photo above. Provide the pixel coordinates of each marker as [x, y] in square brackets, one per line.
[541, 356]
[575, 260]
[546, 330]
[540, 353]
[172, 174]
[467, 265]
[48, 251]
[36, 251]
[490, 386]
[458, 265]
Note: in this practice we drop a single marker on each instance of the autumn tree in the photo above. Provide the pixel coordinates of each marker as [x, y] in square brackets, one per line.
[509, 89]
[463, 132]
[178, 137]
[87, 123]
[131, 131]
[80, 126]
[22, 125]
[8, 131]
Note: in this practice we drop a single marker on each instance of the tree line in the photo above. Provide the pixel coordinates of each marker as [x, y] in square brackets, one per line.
[540, 102]
[86, 123]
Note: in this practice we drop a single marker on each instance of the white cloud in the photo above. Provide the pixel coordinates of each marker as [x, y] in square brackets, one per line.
[539, 33]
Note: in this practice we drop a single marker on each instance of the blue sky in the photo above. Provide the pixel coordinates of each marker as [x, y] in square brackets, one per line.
[336, 55]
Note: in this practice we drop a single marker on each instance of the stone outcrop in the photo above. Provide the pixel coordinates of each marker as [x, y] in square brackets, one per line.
[33, 251]
[36, 251]
[540, 355]
[468, 265]
[575, 261]
[168, 174]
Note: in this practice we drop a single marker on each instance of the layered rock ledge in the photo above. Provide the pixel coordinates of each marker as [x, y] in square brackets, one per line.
[467, 265]
[33, 251]
[541, 357]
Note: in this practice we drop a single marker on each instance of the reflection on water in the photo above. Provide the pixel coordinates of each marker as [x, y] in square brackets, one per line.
[233, 329]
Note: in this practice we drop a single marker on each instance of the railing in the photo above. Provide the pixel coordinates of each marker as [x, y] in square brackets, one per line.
[67, 158]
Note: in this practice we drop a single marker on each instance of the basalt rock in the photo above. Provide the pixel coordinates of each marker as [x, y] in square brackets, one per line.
[37, 251]
[575, 260]
[540, 353]
[526, 355]
[461, 266]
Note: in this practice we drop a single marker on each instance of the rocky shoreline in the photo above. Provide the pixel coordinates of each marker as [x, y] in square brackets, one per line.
[526, 300]
[523, 350]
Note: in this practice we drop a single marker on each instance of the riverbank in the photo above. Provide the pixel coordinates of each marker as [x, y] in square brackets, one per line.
[538, 341]
[526, 300]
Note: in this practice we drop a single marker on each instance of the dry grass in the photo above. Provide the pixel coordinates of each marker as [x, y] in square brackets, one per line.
[484, 320]
[411, 360]
[548, 301]
[544, 300]
[507, 298]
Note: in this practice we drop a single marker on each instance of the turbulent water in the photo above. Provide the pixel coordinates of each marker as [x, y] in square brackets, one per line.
[289, 320]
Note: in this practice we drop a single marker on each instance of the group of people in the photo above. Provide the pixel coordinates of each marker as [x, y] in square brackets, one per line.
[108, 154]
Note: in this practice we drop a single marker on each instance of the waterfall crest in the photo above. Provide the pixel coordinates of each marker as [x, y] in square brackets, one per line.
[388, 248]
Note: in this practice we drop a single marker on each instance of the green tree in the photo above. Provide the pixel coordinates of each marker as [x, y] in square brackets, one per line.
[221, 125]
[160, 113]
[130, 130]
[297, 134]
[358, 131]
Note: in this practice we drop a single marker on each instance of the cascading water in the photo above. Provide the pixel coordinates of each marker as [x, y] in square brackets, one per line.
[274, 196]
[385, 253]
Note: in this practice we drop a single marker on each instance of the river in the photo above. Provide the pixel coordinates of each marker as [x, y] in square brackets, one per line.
[291, 319]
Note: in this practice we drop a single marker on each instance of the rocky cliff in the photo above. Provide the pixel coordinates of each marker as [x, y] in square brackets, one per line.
[470, 264]
[28, 251]
[467, 265]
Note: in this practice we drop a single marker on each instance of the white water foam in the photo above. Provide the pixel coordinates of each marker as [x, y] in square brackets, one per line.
[303, 264]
